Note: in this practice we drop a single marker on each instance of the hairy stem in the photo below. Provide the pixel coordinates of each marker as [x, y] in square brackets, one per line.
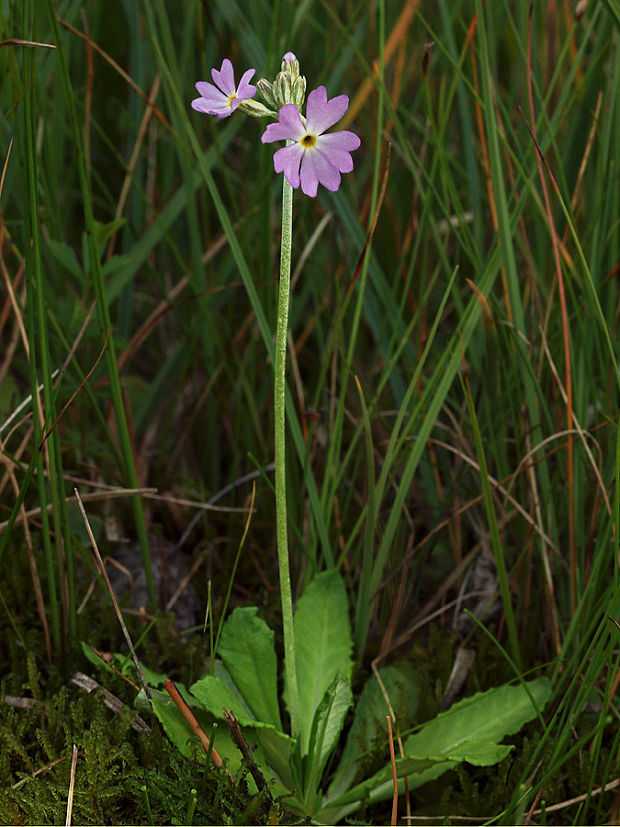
[280, 470]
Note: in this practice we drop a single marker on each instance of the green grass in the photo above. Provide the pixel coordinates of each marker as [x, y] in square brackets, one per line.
[453, 368]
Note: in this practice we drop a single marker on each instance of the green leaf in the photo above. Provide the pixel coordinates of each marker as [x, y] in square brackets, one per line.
[247, 649]
[329, 719]
[178, 731]
[103, 232]
[373, 788]
[173, 722]
[326, 729]
[125, 664]
[484, 718]
[215, 692]
[221, 672]
[116, 263]
[469, 731]
[92, 656]
[64, 254]
[369, 728]
[322, 645]
[215, 696]
[277, 748]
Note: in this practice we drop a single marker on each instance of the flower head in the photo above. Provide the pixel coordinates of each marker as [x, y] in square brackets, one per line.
[223, 98]
[313, 158]
[288, 87]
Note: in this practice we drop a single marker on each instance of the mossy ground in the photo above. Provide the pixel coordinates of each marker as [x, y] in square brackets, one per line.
[123, 776]
[128, 777]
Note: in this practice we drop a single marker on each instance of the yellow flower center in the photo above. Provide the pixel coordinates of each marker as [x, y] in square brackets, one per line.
[231, 98]
[308, 140]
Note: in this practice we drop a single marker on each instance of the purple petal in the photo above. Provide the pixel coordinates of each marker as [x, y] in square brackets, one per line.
[344, 141]
[288, 160]
[245, 89]
[289, 57]
[288, 128]
[211, 100]
[338, 158]
[208, 90]
[321, 113]
[316, 169]
[213, 106]
[274, 132]
[225, 77]
[336, 147]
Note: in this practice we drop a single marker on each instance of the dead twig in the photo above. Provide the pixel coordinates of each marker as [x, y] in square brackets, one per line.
[194, 725]
[244, 748]
[89, 685]
[95, 497]
[16, 41]
[74, 758]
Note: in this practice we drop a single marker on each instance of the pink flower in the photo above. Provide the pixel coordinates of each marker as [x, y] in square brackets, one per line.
[223, 98]
[313, 158]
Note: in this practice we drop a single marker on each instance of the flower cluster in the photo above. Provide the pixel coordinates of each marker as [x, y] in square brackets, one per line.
[310, 157]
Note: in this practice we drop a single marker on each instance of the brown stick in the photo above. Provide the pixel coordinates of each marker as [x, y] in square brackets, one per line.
[74, 758]
[244, 748]
[194, 725]
[15, 41]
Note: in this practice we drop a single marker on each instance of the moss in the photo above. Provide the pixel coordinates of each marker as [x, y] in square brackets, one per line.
[121, 776]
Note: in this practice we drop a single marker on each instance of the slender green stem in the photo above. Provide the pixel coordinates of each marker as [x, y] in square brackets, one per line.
[280, 471]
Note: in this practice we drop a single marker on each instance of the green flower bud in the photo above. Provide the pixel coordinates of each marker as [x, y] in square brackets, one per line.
[266, 90]
[290, 65]
[256, 109]
[288, 87]
[283, 88]
[299, 92]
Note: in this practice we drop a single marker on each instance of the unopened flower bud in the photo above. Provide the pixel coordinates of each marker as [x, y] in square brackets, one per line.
[256, 109]
[284, 88]
[265, 88]
[299, 92]
[290, 65]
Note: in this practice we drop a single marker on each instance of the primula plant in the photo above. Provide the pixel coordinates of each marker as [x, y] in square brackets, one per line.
[244, 680]
[309, 158]
[318, 645]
